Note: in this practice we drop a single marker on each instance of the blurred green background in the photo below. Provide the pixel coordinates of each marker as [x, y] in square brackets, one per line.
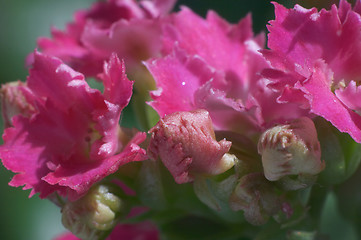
[21, 23]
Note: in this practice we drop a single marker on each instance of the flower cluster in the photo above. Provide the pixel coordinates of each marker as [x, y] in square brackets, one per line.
[244, 131]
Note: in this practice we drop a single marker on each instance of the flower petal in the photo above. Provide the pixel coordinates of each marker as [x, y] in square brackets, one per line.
[72, 141]
[326, 104]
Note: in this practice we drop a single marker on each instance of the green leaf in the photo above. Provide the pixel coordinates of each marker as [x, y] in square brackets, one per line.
[333, 224]
[150, 187]
[144, 82]
[152, 116]
[340, 152]
[216, 196]
[93, 83]
[193, 227]
[352, 153]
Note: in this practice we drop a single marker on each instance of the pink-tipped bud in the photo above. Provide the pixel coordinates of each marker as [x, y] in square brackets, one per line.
[291, 149]
[15, 100]
[186, 143]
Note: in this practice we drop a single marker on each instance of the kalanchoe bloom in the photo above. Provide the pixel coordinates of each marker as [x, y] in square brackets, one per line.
[73, 140]
[291, 149]
[16, 99]
[92, 214]
[130, 28]
[316, 58]
[215, 65]
[186, 144]
[143, 230]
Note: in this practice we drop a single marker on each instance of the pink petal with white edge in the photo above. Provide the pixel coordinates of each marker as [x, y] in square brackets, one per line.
[158, 8]
[206, 37]
[319, 51]
[220, 44]
[63, 45]
[134, 40]
[226, 113]
[117, 94]
[25, 155]
[307, 35]
[178, 76]
[81, 177]
[106, 27]
[66, 88]
[350, 96]
[236, 95]
[325, 104]
[117, 87]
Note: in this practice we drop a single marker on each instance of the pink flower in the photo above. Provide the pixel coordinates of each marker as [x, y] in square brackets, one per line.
[141, 231]
[186, 144]
[215, 65]
[316, 58]
[128, 27]
[73, 140]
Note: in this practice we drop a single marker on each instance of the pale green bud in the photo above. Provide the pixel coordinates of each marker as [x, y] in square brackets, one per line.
[291, 149]
[95, 212]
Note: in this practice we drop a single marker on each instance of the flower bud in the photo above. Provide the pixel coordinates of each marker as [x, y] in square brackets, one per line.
[186, 144]
[257, 197]
[15, 99]
[92, 214]
[291, 149]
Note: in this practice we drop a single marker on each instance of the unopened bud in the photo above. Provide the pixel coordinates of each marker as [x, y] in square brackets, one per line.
[15, 100]
[291, 149]
[186, 144]
[257, 198]
[92, 214]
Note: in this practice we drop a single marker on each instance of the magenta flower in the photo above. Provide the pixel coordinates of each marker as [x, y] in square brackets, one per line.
[215, 65]
[130, 28]
[316, 58]
[143, 230]
[73, 138]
